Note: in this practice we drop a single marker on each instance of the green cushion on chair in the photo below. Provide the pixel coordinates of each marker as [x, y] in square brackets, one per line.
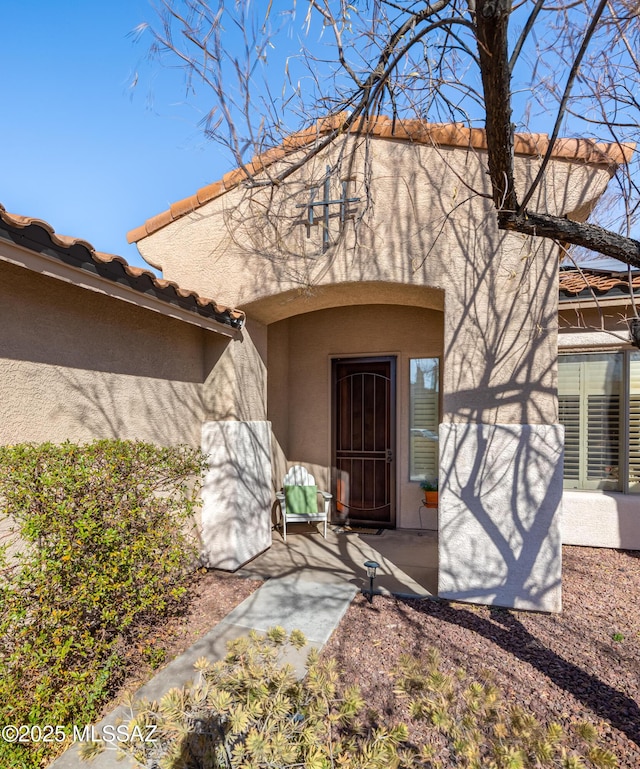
[301, 500]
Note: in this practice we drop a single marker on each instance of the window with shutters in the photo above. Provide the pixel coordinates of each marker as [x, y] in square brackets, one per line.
[424, 417]
[591, 399]
[634, 422]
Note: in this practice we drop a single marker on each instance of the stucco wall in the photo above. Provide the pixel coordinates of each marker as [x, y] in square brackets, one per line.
[417, 197]
[499, 530]
[601, 519]
[419, 223]
[300, 353]
[235, 385]
[608, 314]
[77, 365]
[236, 515]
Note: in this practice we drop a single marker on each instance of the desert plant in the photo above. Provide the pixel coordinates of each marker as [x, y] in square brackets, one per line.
[103, 547]
[249, 710]
[481, 729]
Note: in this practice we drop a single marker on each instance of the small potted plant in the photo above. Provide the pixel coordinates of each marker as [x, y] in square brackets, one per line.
[430, 489]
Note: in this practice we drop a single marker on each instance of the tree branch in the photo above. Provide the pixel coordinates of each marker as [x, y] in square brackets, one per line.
[577, 233]
[575, 68]
[524, 34]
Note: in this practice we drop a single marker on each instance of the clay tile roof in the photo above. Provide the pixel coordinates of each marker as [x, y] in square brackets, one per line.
[38, 235]
[584, 283]
[416, 131]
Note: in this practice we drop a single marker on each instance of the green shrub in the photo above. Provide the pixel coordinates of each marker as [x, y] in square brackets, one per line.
[248, 711]
[103, 546]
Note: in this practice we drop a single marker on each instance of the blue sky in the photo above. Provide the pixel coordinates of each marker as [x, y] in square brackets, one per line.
[81, 148]
[84, 150]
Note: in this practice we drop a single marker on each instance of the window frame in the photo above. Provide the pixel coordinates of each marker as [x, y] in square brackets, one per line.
[411, 476]
[626, 356]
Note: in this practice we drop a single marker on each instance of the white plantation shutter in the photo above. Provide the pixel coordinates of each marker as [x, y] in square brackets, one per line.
[425, 449]
[590, 399]
[424, 418]
[634, 422]
[569, 411]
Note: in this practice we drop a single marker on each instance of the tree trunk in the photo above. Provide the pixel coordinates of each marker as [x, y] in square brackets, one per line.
[492, 24]
[492, 21]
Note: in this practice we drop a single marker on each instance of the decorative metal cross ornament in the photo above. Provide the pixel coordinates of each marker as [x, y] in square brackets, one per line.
[343, 202]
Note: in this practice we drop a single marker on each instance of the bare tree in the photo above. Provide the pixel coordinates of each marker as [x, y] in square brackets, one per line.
[572, 65]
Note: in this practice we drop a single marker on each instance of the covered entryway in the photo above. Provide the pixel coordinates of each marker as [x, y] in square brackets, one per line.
[341, 398]
[363, 417]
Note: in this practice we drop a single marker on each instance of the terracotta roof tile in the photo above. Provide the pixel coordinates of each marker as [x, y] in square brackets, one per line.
[260, 162]
[38, 235]
[437, 134]
[581, 283]
[159, 221]
[211, 191]
[135, 272]
[233, 178]
[133, 236]
[182, 207]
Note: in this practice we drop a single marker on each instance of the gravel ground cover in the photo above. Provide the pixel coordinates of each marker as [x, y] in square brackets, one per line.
[580, 665]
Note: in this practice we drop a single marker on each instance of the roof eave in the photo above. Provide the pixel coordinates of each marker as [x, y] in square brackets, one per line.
[52, 267]
[33, 243]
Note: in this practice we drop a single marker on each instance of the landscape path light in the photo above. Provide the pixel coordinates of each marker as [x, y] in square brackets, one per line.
[371, 567]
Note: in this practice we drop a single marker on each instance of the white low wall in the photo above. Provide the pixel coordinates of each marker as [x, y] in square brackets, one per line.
[601, 519]
[236, 510]
[499, 505]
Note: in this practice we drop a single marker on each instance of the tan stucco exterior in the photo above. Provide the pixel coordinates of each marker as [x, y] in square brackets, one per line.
[419, 269]
[299, 394]
[419, 215]
[82, 358]
[577, 318]
[235, 384]
[77, 365]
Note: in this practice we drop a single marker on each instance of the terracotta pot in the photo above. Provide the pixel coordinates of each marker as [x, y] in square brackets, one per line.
[431, 499]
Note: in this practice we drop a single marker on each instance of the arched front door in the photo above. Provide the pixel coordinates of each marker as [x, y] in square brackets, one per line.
[364, 440]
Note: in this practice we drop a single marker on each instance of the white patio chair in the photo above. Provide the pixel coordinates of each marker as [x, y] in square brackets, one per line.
[302, 506]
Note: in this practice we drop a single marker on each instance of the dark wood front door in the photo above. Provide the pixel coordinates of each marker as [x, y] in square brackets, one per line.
[364, 440]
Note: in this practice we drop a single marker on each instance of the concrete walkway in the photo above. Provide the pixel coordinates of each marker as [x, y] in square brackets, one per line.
[310, 584]
[308, 605]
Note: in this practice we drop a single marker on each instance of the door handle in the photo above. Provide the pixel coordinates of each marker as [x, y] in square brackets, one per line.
[389, 457]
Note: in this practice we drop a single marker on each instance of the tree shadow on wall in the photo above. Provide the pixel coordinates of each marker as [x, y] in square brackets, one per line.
[500, 484]
[108, 405]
